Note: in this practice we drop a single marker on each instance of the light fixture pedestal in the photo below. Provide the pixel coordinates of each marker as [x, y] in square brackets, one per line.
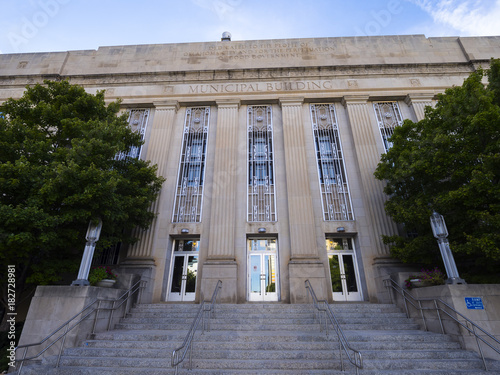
[93, 233]
[440, 231]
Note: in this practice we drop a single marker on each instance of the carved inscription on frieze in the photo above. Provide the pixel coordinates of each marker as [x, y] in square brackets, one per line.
[255, 51]
[222, 88]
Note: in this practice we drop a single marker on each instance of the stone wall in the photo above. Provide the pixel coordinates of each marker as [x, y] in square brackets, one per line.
[454, 295]
[52, 306]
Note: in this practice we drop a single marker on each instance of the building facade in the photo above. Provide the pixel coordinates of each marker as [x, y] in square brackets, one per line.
[268, 149]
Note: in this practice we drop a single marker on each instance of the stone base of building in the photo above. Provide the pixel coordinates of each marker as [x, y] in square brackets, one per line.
[382, 267]
[227, 272]
[146, 269]
[302, 270]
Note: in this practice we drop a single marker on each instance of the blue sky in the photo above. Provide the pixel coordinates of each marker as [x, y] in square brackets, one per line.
[62, 25]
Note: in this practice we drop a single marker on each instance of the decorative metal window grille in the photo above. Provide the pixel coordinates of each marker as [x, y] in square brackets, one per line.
[261, 198]
[388, 117]
[107, 257]
[331, 169]
[138, 121]
[189, 195]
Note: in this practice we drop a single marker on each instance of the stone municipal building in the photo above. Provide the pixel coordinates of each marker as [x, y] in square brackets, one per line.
[268, 148]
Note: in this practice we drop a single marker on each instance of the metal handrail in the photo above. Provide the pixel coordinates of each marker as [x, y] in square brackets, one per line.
[323, 308]
[88, 310]
[408, 298]
[206, 307]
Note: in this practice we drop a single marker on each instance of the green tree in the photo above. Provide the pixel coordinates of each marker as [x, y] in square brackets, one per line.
[58, 171]
[450, 162]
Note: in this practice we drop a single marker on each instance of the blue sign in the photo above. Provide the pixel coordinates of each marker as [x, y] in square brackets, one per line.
[474, 303]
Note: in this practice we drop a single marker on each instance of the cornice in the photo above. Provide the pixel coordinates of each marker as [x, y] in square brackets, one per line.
[207, 76]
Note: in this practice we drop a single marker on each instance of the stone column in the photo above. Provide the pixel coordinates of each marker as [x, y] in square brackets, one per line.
[140, 257]
[365, 136]
[304, 262]
[418, 102]
[368, 154]
[220, 262]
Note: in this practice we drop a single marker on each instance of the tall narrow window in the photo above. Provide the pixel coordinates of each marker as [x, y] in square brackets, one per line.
[138, 121]
[188, 199]
[261, 199]
[331, 170]
[388, 117]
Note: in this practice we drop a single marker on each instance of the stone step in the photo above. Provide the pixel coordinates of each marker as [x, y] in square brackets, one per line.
[300, 363]
[281, 336]
[424, 364]
[249, 308]
[221, 321]
[219, 364]
[45, 370]
[238, 315]
[265, 339]
[355, 307]
[202, 353]
[304, 352]
[225, 345]
[272, 327]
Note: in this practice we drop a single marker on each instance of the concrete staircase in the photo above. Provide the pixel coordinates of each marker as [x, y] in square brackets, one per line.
[267, 339]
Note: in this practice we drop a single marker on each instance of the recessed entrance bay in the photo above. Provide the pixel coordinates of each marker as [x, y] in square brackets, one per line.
[263, 278]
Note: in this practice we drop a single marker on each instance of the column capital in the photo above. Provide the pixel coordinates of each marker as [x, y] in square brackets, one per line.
[291, 101]
[167, 105]
[228, 103]
[354, 99]
[419, 97]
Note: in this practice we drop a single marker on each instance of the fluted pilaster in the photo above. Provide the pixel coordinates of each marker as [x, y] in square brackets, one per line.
[158, 149]
[418, 102]
[300, 207]
[223, 192]
[368, 156]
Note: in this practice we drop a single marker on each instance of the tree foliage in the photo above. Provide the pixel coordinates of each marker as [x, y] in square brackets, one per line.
[449, 162]
[58, 171]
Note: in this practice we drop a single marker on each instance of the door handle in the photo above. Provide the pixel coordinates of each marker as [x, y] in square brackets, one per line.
[183, 278]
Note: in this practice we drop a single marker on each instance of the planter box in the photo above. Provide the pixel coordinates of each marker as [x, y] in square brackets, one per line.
[106, 283]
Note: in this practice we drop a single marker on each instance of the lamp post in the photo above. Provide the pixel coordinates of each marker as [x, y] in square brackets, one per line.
[441, 232]
[93, 233]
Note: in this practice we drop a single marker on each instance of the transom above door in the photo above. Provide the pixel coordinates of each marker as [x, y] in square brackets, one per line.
[263, 275]
[343, 269]
[183, 270]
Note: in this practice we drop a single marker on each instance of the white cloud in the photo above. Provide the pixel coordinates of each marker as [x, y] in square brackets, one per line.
[222, 8]
[469, 17]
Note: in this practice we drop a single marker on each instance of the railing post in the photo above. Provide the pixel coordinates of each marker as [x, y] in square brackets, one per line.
[479, 347]
[127, 304]
[439, 316]
[326, 320]
[422, 314]
[406, 305]
[341, 358]
[111, 316]
[174, 360]
[22, 361]
[191, 354]
[62, 346]
[96, 317]
[387, 284]
[203, 318]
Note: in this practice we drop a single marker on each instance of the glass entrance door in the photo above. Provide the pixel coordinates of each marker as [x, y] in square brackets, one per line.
[184, 269]
[343, 269]
[262, 272]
